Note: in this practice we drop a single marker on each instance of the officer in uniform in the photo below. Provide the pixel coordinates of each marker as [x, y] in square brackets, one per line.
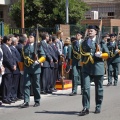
[32, 71]
[114, 60]
[76, 68]
[93, 68]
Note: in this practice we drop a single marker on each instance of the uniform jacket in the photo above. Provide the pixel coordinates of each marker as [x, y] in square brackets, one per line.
[76, 46]
[97, 68]
[112, 48]
[29, 51]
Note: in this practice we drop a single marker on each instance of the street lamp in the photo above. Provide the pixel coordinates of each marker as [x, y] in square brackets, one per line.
[67, 12]
[22, 16]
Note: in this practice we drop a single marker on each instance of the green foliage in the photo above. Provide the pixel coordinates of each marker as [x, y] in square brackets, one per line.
[47, 13]
[6, 29]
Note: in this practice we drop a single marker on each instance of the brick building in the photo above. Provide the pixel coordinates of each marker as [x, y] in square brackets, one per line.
[107, 9]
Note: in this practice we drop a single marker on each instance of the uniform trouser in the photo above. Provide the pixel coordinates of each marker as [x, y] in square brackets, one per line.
[113, 68]
[77, 78]
[7, 86]
[15, 83]
[98, 80]
[21, 86]
[33, 79]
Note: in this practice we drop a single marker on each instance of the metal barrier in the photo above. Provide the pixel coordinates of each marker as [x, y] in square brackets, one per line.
[1, 28]
[29, 30]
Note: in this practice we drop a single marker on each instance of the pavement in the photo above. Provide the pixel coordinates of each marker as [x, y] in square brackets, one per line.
[61, 106]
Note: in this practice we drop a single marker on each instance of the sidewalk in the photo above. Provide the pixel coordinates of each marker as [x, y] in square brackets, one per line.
[43, 97]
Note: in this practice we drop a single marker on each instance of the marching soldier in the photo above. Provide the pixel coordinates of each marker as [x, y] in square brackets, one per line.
[32, 71]
[76, 68]
[114, 60]
[93, 68]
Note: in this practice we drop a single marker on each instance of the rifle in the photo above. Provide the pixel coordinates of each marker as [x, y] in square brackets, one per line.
[36, 45]
[99, 36]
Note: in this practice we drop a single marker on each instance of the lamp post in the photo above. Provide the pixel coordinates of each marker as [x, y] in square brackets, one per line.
[67, 12]
[22, 16]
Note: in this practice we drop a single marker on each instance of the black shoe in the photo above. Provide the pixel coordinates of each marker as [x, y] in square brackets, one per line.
[13, 100]
[54, 90]
[21, 98]
[6, 101]
[115, 84]
[43, 92]
[109, 84]
[0, 103]
[36, 104]
[16, 99]
[73, 94]
[24, 105]
[49, 92]
[85, 111]
[97, 111]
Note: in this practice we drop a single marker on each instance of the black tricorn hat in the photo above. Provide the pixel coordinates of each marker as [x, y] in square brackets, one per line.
[79, 32]
[73, 39]
[32, 34]
[95, 27]
[112, 35]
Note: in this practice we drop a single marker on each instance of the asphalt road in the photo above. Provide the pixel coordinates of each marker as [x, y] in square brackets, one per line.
[61, 106]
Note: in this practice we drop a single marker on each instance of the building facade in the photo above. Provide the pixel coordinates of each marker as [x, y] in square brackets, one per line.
[4, 11]
[107, 9]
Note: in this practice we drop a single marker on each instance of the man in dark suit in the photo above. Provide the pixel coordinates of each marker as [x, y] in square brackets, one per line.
[16, 73]
[10, 66]
[21, 43]
[57, 55]
[52, 65]
[45, 76]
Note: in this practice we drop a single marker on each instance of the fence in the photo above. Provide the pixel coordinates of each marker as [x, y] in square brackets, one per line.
[1, 28]
[105, 29]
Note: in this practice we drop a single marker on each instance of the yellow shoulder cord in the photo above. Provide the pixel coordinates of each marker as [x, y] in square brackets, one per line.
[111, 54]
[78, 54]
[30, 61]
[86, 54]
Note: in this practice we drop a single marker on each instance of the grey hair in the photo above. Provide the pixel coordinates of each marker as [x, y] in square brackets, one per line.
[14, 39]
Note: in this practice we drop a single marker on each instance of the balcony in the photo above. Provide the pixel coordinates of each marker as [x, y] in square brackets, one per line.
[4, 2]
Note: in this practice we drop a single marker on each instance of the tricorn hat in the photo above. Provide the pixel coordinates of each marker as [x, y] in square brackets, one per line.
[95, 27]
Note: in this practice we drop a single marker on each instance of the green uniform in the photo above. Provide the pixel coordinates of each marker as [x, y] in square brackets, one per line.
[32, 73]
[76, 68]
[113, 62]
[93, 69]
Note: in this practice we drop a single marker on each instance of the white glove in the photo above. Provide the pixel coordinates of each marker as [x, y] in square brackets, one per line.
[36, 62]
[21, 72]
[41, 64]
[70, 66]
[98, 54]
[116, 51]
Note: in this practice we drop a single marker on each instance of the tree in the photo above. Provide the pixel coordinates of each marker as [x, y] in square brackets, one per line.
[48, 12]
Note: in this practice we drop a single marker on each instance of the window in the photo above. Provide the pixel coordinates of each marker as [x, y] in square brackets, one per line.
[110, 13]
[1, 14]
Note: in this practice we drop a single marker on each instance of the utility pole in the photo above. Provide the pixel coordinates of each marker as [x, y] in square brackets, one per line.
[67, 12]
[22, 16]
